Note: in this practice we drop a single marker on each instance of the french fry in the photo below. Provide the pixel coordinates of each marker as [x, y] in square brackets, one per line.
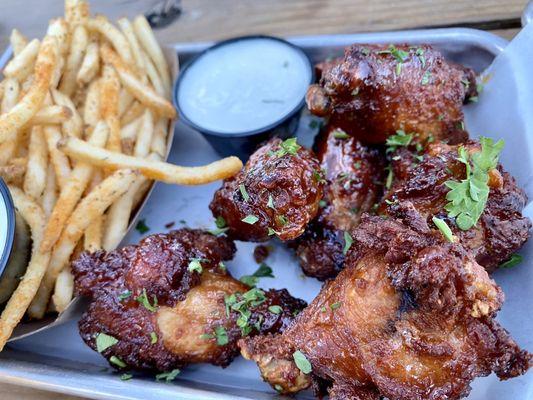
[73, 126]
[51, 115]
[128, 135]
[125, 101]
[135, 111]
[61, 163]
[145, 134]
[109, 97]
[159, 141]
[102, 25]
[155, 170]
[154, 77]
[78, 47]
[145, 94]
[18, 42]
[13, 172]
[11, 94]
[150, 45]
[49, 197]
[35, 179]
[72, 191]
[127, 30]
[76, 12]
[58, 28]
[90, 64]
[63, 290]
[93, 235]
[21, 65]
[27, 288]
[91, 109]
[26, 108]
[91, 207]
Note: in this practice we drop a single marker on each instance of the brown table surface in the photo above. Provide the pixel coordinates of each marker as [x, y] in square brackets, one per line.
[202, 20]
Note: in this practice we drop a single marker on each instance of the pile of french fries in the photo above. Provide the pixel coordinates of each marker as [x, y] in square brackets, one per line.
[84, 126]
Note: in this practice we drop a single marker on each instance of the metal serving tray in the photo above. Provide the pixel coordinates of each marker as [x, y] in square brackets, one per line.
[57, 359]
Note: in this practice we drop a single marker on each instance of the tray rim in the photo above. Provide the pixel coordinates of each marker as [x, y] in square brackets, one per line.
[12, 371]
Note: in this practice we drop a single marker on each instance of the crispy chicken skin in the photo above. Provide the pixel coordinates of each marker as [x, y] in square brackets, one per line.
[354, 175]
[190, 305]
[376, 90]
[419, 192]
[291, 181]
[409, 317]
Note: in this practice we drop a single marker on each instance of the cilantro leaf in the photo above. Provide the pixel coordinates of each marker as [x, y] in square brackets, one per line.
[194, 265]
[513, 261]
[168, 376]
[104, 341]
[289, 146]
[143, 299]
[250, 219]
[400, 139]
[275, 309]
[244, 193]
[141, 226]
[347, 242]
[340, 134]
[302, 362]
[264, 271]
[221, 335]
[444, 229]
[117, 361]
[153, 338]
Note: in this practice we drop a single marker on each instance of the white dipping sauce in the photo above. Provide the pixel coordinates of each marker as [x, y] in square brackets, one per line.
[244, 85]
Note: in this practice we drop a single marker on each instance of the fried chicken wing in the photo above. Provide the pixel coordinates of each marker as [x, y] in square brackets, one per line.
[354, 174]
[376, 90]
[276, 193]
[409, 317]
[168, 302]
[419, 193]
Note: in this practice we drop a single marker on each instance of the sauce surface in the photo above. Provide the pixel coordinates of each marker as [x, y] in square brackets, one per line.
[244, 85]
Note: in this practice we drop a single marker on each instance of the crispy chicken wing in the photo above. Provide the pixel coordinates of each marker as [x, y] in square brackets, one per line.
[354, 174]
[409, 317]
[419, 193]
[169, 301]
[276, 193]
[376, 90]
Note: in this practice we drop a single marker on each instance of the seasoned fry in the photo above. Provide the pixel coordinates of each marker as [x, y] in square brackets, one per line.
[90, 64]
[51, 115]
[27, 288]
[159, 141]
[13, 172]
[156, 170]
[75, 58]
[134, 112]
[72, 191]
[118, 40]
[64, 288]
[35, 179]
[154, 77]
[128, 135]
[93, 235]
[145, 94]
[21, 65]
[18, 42]
[125, 101]
[11, 94]
[73, 126]
[21, 113]
[76, 11]
[91, 111]
[145, 134]
[127, 29]
[109, 97]
[61, 164]
[92, 206]
[58, 28]
[150, 45]
[49, 197]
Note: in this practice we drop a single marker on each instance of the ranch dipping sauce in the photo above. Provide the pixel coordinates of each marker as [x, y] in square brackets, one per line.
[238, 91]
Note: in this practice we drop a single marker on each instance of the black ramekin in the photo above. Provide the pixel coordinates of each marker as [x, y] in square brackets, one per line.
[10, 228]
[245, 143]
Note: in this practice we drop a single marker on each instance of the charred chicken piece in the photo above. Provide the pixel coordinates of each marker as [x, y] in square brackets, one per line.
[168, 302]
[376, 90]
[409, 317]
[276, 193]
[354, 174]
[419, 191]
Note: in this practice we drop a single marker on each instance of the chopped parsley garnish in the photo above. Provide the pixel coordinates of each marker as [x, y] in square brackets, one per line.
[282, 220]
[126, 377]
[244, 193]
[143, 299]
[271, 232]
[275, 309]
[302, 362]
[270, 202]
[444, 229]
[264, 271]
[279, 388]
[467, 199]
[318, 176]
[104, 341]
[124, 295]
[219, 333]
[195, 265]
[400, 139]
[466, 83]
[222, 266]
[336, 305]
[141, 226]
[288, 146]
[242, 303]
[347, 242]
[419, 52]
[425, 77]
[473, 99]
[168, 376]
[250, 219]
[390, 177]
[153, 338]
[398, 54]
[340, 134]
[220, 222]
[513, 261]
[322, 203]
[117, 361]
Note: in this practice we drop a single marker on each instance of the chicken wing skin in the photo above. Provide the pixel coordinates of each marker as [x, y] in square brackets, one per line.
[409, 317]
[276, 193]
[165, 314]
[419, 193]
[376, 90]
[354, 174]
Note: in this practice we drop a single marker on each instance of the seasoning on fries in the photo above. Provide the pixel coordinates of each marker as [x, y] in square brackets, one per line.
[84, 123]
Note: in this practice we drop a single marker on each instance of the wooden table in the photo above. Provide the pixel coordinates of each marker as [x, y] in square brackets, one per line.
[203, 20]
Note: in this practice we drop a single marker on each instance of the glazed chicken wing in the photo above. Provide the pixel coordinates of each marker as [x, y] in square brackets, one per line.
[354, 174]
[409, 317]
[276, 193]
[419, 190]
[169, 301]
[376, 90]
